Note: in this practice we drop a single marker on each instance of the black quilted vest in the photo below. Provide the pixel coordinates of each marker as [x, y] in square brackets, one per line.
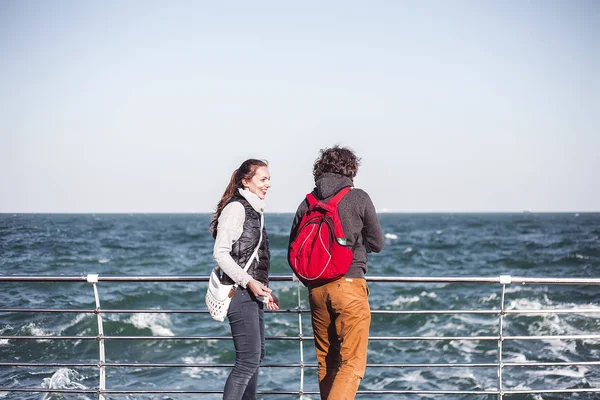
[243, 248]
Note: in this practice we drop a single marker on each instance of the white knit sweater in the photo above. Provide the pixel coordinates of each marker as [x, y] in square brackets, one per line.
[229, 230]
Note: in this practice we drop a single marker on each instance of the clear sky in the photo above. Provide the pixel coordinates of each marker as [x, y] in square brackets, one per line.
[148, 106]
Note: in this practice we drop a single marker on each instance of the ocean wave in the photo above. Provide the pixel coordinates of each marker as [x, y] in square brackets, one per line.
[382, 383]
[400, 300]
[63, 378]
[529, 304]
[466, 348]
[37, 329]
[476, 320]
[548, 324]
[3, 329]
[447, 245]
[159, 324]
[571, 372]
[75, 322]
[514, 357]
[34, 329]
[200, 372]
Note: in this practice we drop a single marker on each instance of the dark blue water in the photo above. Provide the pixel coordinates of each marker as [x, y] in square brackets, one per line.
[430, 245]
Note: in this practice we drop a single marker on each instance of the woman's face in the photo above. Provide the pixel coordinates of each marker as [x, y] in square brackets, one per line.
[260, 182]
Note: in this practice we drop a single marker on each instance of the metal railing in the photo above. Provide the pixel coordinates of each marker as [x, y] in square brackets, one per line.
[500, 391]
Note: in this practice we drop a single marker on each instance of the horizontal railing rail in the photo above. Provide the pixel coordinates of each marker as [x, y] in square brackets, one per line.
[101, 338]
[287, 278]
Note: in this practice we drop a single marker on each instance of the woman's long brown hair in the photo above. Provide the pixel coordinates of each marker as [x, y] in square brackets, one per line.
[245, 171]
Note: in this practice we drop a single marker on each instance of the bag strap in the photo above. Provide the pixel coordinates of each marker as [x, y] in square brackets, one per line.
[255, 253]
[336, 199]
[312, 199]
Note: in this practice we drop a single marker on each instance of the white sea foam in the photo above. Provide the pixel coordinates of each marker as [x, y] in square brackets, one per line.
[528, 304]
[199, 372]
[488, 299]
[407, 250]
[2, 330]
[405, 300]
[574, 372]
[439, 232]
[451, 327]
[284, 289]
[474, 320]
[104, 260]
[429, 327]
[78, 318]
[381, 384]
[519, 288]
[34, 330]
[159, 324]
[547, 304]
[280, 321]
[428, 294]
[520, 385]
[465, 347]
[512, 357]
[547, 324]
[391, 236]
[413, 376]
[63, 378]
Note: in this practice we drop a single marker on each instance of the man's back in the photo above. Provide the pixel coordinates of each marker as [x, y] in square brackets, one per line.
[358, 216]
[340, 312]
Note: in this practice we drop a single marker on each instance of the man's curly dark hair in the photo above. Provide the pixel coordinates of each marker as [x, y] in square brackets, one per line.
[339, 160]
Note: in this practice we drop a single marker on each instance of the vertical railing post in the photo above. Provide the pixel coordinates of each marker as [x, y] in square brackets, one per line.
[504, 280]
[93, 279]
[301, 344]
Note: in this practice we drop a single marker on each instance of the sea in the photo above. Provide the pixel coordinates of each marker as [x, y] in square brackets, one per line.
[529, 244]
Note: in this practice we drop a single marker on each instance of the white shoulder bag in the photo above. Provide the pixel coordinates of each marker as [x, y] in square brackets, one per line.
[218, 295]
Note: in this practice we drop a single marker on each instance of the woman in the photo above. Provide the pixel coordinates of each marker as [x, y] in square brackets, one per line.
[236, 229]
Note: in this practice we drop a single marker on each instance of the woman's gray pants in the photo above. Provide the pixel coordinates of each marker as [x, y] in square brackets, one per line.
[246, 319]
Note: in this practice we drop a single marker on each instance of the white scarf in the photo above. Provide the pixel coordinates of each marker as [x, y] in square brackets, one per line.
[256, 202]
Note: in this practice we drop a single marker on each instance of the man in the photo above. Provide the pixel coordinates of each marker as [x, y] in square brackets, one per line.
[340, 309]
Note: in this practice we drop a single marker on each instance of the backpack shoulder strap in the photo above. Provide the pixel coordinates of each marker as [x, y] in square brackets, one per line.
[338, 196]
[312, 200]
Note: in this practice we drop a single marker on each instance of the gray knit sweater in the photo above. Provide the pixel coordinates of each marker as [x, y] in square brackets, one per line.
[358, 216]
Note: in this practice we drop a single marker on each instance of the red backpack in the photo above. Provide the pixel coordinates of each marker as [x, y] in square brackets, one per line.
[319, 252]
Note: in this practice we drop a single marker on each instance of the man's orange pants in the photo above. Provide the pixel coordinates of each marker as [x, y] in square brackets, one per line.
[341, 317]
